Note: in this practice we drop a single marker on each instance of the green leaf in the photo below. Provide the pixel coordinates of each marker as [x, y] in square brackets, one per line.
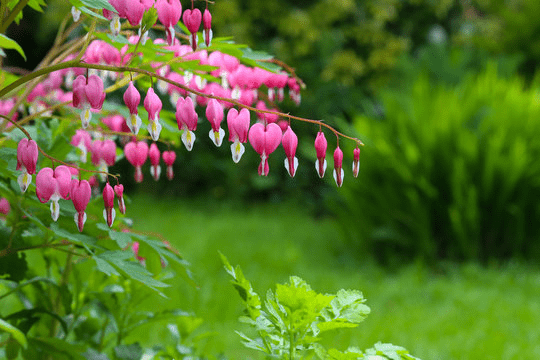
[149, 18]
[8, 43]
[57, 346]
[16, 333]
[128, 352]
[98, 4]
[78, 238]
[243, 287]
[105, 267]
[121, 238]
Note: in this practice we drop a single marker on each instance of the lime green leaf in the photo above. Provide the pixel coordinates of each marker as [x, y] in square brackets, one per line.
[128, 352]
[16, 333]
[149, 18]
[7, 43]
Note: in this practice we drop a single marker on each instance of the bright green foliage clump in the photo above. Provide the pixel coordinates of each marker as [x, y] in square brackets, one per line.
[294, 317]
[455, 169]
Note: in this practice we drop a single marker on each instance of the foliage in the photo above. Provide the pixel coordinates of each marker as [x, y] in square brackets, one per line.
[295, 316]
[455, 172]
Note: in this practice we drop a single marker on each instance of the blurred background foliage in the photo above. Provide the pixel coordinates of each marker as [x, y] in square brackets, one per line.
[444, 94]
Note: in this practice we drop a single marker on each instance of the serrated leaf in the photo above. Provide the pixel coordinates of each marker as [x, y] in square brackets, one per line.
[121, 238]
[7, 43]
[16, 333]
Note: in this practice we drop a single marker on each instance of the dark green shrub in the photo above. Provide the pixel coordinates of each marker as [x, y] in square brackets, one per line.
[449, 172]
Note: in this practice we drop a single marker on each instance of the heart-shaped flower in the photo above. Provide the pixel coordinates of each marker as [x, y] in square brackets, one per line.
[51, 185]
[80, 193]
[264, 139]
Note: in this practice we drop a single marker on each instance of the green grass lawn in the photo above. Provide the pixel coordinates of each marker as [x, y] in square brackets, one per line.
[459, 312]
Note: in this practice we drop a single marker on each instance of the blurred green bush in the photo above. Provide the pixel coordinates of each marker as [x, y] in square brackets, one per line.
[448, 171]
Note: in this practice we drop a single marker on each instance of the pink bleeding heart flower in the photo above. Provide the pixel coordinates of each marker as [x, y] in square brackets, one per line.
[187, 118]
[169, 12]
[320, 147]
[52, 185]
[132, 98]
[207, 27]
[88, 94]
[135, 248]
[27, 156]
[119, 191]
[136, 153]
[356, 162]
[192, 20]
[290, 143]
[264, 139]
[5, 208]
[169, 158]
[214, 114]
[83, 141]
[238, 124]
[155, 156]
[338, 169]
[108, 200]
[80, 193]
[103, 155]
[134, 12]
[153, 105]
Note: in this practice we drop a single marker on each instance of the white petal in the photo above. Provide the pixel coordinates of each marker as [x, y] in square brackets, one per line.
[217, 136]
[336, 179]
[237, 150]
[24, 181]
[154, 128]
[86, 116]
[134, 123]
[76, 13]
[188, 137]
[295, 165]
[55, 208]
[317, 167]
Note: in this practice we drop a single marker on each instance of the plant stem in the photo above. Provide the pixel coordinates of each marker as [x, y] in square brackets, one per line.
[12, 15]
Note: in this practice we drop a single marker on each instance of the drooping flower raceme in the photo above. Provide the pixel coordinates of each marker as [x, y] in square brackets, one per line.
[290, 143]
[238, 124]
[132, 98]
[264, 140]
[155, 156]
[187, 118]
[214, 114]
[136, 153]
[52, 185]
[88, 94]
[27, 156]
[152, 104]
[108, 200]
[338, 166]
[320, 147]
[80, 193]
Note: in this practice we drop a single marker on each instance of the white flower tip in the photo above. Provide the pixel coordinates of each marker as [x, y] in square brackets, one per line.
[237, 150]
[217, 136]
[339, 180]
[320, 171]
[188, 137]
[24, 180]
[294, 167]
[134, 123]
[55, 209]
[154, 129]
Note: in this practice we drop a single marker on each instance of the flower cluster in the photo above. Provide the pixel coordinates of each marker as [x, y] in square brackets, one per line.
[216, 86]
